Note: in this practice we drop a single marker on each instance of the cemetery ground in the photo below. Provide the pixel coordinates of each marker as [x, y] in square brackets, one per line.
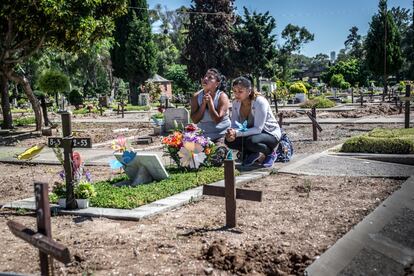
[299, 218]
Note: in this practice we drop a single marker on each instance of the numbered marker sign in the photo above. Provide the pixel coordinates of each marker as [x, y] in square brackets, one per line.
[76, 142]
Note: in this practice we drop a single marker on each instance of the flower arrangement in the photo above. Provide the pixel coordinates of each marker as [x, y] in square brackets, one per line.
[120, 145]
[189, 148]
[82, 179]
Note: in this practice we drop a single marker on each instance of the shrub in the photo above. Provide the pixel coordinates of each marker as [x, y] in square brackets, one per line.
[84, 190]
[389, 141]
[298, 87]
[336, 80]
[75, 98]
[318, 102]
[345, 85]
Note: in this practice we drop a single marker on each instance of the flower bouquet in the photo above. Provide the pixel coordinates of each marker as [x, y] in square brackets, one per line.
[83, 188]
[189, 148]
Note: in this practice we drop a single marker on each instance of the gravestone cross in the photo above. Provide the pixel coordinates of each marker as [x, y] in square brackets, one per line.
[42, 239]
[230, 193]
[67, 142]
[407, 105]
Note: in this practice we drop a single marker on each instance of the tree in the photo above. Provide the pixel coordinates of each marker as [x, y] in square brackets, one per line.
[168, 54]
[352, 70]
[27, 26]
[134, 53]
[409, 50]
[256, 44]
[53, 83]
[353, 43]
[382, 45]
[295, 37]
[181, 82]
[210, 39]
[336, 80]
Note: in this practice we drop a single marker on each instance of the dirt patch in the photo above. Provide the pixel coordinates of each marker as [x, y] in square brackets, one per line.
[279, 236]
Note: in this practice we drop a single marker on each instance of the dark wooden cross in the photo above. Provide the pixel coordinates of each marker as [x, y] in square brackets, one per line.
[230, 193]
[407, 100]
[42, 239]
[315, 124]
[67, 142]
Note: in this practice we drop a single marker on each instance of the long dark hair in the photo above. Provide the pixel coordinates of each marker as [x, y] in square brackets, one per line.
[246, 82]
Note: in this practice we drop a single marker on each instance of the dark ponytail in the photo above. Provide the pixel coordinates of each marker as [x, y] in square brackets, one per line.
[220, 78]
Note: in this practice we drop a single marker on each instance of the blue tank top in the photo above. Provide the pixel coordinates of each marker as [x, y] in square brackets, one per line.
[209, 127]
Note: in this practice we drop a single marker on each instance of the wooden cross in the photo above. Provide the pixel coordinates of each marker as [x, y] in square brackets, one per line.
[67, 142]
[315, 124]
[408, 98]
[42, 239]
[230, 193]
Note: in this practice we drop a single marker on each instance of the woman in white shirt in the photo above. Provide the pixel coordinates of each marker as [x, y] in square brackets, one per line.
[262, 133]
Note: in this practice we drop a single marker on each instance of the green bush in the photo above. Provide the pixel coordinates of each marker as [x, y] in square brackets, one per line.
[345, 85]
[298, 87]
[318, 102]
[84, 190]
[75, 98]
[388, 141]
[336, 80]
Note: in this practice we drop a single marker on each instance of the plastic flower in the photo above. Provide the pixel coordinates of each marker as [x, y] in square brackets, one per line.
[128, 156]
[76, 160]
[191, 128]
[242, 127]
[191, 155]
[120, 144]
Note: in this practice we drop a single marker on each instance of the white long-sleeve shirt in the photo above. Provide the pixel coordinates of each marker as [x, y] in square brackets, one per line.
[263, 118]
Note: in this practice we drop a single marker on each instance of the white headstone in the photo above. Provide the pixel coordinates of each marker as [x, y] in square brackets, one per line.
[144, 168]
[144, 99]
[180, 115]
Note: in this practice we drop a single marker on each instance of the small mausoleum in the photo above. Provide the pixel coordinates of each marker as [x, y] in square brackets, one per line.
[165, 85]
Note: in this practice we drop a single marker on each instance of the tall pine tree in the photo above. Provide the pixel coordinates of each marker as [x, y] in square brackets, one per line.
[383, 60]
[210, 39]
[134, 53]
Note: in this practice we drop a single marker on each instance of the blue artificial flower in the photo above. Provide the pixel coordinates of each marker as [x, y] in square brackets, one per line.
[229, 155]
[242, 127]
[88, 176]
[128, 156]
[115, 164]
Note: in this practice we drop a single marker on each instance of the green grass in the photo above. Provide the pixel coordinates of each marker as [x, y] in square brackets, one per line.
[130, 107]
[21, 110]
[379, 140]
[126, 197]
[318, 102]
[24, 121]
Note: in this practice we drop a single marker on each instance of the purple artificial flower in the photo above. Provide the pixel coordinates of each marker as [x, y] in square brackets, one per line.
[62, 175]
[88, 176]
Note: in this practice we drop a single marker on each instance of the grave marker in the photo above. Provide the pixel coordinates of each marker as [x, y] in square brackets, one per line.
[42, 239]
[407, 105]
[230, 193]
[180, 115]
[67, 142]
[315, 124]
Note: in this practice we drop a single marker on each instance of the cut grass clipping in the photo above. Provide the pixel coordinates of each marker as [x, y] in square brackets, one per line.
[126, 197]
[379, 140]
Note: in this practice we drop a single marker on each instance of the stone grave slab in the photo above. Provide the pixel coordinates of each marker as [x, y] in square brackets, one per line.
[144, 168]
[180, 115]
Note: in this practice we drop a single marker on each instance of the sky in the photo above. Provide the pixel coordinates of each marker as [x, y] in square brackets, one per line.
[329, 20]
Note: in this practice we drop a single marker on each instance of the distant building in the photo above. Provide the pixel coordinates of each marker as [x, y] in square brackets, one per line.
[164, 84]
[333, 56]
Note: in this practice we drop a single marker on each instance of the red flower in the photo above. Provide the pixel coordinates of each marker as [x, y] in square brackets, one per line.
[191, 127]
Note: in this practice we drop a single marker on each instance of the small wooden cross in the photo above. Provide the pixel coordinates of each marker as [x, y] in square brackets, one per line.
[230, 193]
[42, 239]
[67, 142]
